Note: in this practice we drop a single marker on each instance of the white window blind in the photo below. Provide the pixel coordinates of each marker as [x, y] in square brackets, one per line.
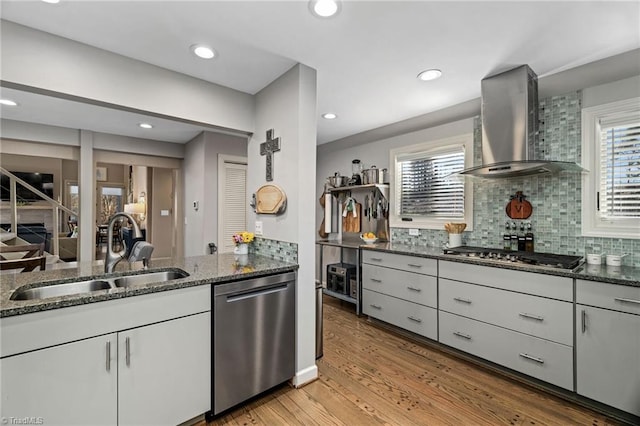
[619, 186]
[425, 190]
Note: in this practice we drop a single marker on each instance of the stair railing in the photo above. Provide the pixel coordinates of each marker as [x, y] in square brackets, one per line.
[55, 206]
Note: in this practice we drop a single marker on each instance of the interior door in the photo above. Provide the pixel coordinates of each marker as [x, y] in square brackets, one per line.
[232, 199]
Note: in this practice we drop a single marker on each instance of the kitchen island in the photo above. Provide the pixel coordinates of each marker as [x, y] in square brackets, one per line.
[138, 354]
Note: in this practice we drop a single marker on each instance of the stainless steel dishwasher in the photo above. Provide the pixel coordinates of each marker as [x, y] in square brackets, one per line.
[253, 338]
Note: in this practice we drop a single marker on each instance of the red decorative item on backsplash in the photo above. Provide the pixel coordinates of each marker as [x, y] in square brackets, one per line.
[518, 207]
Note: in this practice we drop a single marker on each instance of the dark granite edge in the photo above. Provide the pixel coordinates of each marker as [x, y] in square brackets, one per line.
[123, 292]
[605, 275]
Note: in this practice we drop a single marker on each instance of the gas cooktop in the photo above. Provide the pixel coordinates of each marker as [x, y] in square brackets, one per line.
[542, 260]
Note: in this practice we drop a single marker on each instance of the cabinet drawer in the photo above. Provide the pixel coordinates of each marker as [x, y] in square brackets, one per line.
[417, 288]
[420, 265]
[523, 282]
[548, 361]
[416, 318]
[609, 296]
[546, 318]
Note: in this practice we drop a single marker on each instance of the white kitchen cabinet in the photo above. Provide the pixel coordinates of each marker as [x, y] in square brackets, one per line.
[401, 290]
[416, 318]
[70, 384]
[545, 360]
[164, 371]
[537, 316]
[520, 320]
[54, 363]
[608, 345]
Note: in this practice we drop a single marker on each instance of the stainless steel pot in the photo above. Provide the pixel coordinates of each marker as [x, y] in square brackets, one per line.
[337, 181]
[370, 176]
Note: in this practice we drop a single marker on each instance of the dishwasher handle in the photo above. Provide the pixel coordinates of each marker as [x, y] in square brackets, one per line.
[256, 292]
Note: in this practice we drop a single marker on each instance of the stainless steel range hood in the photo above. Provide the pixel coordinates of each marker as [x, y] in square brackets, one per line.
[510, 128]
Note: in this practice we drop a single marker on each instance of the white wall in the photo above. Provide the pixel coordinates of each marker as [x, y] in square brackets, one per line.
[288, 106]
[77, 70]
[201, 184]
[611, 92]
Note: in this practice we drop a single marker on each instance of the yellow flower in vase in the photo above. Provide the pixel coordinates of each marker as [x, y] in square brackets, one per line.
[242, 240]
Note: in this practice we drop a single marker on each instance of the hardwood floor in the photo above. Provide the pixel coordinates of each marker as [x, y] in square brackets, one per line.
[370, 376]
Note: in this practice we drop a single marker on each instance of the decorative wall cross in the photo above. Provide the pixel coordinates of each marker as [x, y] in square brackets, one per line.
[268, 148]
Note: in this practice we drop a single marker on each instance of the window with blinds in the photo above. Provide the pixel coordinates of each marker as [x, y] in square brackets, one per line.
[425, 193]
[425, 189]
[619, 194]
[611, 151]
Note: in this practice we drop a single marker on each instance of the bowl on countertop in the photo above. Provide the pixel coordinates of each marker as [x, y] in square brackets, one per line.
[368, 240]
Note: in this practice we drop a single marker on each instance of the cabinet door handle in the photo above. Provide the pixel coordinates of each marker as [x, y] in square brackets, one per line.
[108, 355]
[414, 265]
[464, 336]
[376, 259]
[584, 321]
[534, 317]
[417, 290]
[623, 300]
[418, 320]
[532, 358]
[127, 351]
[461, 300]
[375, 280]
[375, 306]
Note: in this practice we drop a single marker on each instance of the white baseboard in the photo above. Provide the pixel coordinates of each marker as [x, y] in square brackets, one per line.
[305, 376]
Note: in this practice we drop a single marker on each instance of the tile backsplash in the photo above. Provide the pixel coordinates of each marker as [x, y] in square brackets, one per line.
[275, 249]
[556, 199]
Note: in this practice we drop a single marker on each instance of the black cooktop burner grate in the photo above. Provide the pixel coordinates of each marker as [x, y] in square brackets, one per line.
[558, 261]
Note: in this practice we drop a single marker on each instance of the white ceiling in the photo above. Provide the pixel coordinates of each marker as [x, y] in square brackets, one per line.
[367, 58]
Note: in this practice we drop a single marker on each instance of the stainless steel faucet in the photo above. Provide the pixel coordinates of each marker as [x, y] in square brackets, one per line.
[141, 250]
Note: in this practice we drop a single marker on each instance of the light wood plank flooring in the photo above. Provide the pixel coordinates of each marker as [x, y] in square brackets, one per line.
[370, 376]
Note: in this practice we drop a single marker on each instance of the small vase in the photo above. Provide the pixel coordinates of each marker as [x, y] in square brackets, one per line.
[241, 248]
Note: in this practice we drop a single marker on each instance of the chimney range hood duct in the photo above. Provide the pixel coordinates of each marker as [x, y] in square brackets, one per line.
[510, 128]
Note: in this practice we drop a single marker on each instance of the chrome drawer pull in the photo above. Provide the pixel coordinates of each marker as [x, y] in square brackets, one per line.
[375, 280]
[375, 306]
[413, 265]
[108, 356]
[127, 351]
[459, 299]
[377, 259]
[584, 321]
[532, 358]
[534, 317]
[623, 300]
[414, 289]
[464, 336]
[418, 320]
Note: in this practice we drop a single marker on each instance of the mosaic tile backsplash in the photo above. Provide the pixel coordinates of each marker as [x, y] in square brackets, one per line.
[556, 199]
[279, 250]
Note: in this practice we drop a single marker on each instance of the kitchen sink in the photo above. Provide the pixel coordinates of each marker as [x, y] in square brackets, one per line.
[61, 290]
[87, 286]
[151, 277]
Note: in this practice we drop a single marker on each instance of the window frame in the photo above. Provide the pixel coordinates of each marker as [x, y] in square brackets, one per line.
[432, 147]
[593, 225]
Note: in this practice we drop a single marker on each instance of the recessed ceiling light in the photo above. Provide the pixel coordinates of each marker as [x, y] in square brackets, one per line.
[324, 8]
[329, 116]
[202, 51]
[8, 102]
[51, 1]
[431, 74]
[145, 125]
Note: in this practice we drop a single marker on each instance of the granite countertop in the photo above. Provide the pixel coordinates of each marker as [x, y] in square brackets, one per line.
[210, 269]
[625, 275]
